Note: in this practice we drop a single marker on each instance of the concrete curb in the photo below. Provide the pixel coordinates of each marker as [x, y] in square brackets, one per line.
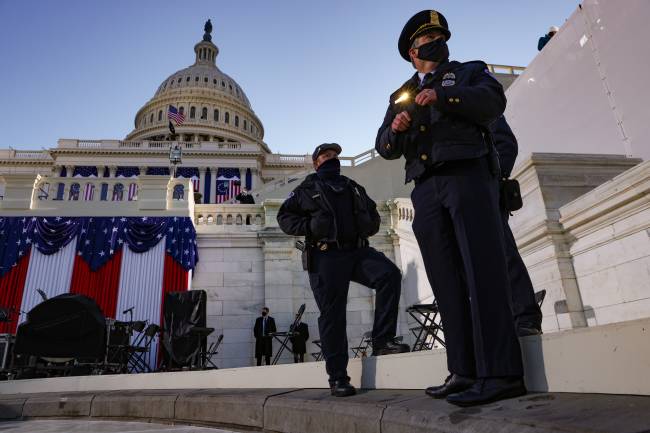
[315, 411]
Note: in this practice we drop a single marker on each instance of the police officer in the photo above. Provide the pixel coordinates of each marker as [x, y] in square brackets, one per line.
[437, 121]
[525, 310]
[337, 217]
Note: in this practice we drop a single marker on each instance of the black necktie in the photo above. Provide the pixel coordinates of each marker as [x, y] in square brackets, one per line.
[425, 80]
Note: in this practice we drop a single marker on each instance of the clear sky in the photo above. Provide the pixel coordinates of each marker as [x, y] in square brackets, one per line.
[314, 71]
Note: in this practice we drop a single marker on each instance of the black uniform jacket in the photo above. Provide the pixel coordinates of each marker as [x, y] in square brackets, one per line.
[308, 213]
[505, 143]
[469, 100]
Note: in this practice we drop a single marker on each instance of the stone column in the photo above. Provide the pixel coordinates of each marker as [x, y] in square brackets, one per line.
[549, 181]
[213, 189]
[202, 185]
[69, 170]
[100, 171]
[112, 170]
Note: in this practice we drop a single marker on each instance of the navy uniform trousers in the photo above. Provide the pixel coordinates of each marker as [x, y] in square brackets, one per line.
[525, 310]
[329, 276]
[459, 230]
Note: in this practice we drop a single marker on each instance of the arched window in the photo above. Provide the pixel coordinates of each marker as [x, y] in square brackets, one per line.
[204, 113]
[245, 125]
[179, 192]
[223, 83]
[227, 117]
[151, 118]
[236, 121]
[205, 79]
[160, 116]
[187, 79]
[181, 110]
[192, 112]
[196, 79]
[216, 115]
[214, 81]
[179, 80]
[230, 87]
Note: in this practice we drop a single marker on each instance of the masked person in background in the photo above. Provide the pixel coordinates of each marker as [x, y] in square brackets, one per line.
[336, 217]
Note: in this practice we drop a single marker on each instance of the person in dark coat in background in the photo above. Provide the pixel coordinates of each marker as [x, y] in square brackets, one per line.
[525, 311]
[244, 197]
[547, 37]
[336, 216]
[299, 341]
[264, 325]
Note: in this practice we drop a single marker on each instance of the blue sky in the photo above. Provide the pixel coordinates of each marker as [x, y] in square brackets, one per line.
[314, 71]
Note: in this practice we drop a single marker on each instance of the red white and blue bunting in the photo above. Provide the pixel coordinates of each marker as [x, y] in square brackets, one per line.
[86, 255]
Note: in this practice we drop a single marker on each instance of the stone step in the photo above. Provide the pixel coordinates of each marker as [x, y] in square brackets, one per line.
[315, 411]
[609, 359]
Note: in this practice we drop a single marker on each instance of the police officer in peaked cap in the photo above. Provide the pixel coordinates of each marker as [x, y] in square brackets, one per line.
[336, 217]
[438, 120]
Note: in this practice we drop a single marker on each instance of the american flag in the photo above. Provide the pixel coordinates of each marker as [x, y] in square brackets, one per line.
[133, 191]
[173, 114]
[89, 192]
[228, 184]
[84, 171]
[195, 183]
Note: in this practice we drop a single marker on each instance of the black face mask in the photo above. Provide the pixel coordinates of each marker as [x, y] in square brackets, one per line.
[434, 51]
[330, 168]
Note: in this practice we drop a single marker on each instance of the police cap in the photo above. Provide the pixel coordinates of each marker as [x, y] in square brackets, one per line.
[323, 147]
[419, 24]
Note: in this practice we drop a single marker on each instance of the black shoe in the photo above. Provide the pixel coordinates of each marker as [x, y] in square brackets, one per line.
[454, 383]
[342, 388]
[389, 347]
[489, 390]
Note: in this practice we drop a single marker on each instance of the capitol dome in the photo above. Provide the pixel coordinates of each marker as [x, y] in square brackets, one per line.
[215, 106]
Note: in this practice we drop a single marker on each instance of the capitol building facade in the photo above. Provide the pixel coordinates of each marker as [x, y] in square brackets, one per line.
[245, 262]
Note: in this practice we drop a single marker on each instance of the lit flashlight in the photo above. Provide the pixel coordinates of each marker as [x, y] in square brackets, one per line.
[403, 97]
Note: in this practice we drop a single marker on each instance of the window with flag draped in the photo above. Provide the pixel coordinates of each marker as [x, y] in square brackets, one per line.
[228, 184]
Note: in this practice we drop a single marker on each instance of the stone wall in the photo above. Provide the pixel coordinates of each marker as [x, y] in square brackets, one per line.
[245, 267]
[609, 232]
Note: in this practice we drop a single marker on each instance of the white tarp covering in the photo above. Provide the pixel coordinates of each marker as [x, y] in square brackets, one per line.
[588, 90]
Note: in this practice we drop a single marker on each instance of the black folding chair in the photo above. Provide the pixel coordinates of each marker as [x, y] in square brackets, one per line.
[140, 351]
[283, 337]
[212, 350]
[362, 349]
[317, 355]
[428, 328]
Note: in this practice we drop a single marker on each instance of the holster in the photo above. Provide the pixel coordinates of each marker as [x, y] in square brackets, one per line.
[305, 248]
[510, 195]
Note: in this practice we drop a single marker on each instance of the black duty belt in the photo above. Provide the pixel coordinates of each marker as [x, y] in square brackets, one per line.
[344, 246]
[449, 168]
